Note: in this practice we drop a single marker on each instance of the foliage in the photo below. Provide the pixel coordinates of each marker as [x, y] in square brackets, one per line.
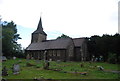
[63, 36]
[103, 45]
[38, 71]
[9, 39]
[112, 58]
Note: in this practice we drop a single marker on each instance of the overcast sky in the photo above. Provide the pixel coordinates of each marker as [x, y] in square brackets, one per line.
[75, 18]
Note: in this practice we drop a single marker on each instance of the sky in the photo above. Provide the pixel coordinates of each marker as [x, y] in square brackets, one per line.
[75, 18]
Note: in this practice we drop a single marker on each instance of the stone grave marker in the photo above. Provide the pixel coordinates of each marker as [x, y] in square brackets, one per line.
[16, 68]
[14, 58]
[27, 57]
[100, 68]
[50, 59]
[46, 65]
[4, 58]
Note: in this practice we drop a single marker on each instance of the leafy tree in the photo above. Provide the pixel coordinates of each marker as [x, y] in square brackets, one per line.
[63, 36]
[103, 45]
[9, 39]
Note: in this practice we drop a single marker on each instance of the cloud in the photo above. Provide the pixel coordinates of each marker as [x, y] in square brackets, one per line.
[76, 18]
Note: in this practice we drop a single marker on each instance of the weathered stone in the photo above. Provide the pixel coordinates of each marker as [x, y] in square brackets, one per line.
[100, 68]
[16, 68]
[46, 64]
[4, 58]
[14, 58]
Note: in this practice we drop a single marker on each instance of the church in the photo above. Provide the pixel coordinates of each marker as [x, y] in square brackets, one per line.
[63, 49]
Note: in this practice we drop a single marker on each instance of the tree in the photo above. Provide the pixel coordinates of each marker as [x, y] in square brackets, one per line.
[9, 39]
[104, 46]
[63, 36]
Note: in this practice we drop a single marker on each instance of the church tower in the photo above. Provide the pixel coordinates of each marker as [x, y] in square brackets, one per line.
[39, 35]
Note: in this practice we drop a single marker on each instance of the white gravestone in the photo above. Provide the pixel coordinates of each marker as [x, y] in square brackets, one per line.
[16, 68]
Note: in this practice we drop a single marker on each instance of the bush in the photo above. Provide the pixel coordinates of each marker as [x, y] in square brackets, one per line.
[112, 58]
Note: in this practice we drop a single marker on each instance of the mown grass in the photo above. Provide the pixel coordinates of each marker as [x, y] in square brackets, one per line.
[38, 71]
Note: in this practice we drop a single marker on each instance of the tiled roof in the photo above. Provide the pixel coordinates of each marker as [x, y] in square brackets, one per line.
[78, 41]
[50, 44]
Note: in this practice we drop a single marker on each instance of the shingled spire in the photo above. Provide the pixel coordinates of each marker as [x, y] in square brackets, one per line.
[40, 28]
[39, 35]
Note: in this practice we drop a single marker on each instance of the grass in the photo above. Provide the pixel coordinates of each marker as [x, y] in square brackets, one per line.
[38, 71]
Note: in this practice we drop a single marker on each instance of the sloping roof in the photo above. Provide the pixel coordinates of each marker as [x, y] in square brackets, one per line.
[50, 44]
[40, 28]
[78, 41]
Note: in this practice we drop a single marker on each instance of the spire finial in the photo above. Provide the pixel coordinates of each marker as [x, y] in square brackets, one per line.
[41, 14]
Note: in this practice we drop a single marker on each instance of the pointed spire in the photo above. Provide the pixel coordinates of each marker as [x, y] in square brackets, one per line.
[40, 28]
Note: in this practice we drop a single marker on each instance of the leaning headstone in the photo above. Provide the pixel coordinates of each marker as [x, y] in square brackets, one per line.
[16, 68]
[4, 71]
[100, 68]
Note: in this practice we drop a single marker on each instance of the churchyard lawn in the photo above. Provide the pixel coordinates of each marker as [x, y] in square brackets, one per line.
[62, 70]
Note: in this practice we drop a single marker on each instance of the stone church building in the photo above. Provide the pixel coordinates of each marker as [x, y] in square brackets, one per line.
[63, 49]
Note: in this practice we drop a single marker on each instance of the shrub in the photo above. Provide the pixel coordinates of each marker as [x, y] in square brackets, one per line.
[112, 58]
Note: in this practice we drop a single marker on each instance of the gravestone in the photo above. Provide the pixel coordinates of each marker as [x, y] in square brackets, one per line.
[14, 58]
[101, 58]
[93, 58]
[28, 56]
[46, 65]
[16, 68]
[96, 59]
[4, 71]
[58, 61]
[50, 59]
[4, 58]
[101, 68]
[32, 58]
